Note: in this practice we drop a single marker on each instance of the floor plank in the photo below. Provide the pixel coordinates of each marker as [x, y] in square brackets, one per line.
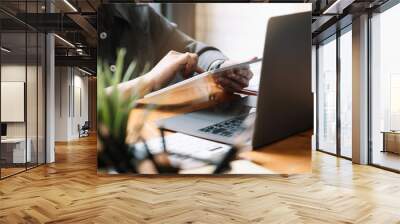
[70, 191]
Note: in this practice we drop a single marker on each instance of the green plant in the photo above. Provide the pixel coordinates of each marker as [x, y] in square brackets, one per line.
[113, 109]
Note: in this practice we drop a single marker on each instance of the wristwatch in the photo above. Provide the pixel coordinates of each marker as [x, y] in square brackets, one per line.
[216, 64]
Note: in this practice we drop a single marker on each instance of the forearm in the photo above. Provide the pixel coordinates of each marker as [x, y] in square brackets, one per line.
[139, 86]
[211, 59]
[209, 56]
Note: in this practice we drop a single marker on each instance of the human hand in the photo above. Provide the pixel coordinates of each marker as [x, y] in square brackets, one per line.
[171, 64]
[235, 79]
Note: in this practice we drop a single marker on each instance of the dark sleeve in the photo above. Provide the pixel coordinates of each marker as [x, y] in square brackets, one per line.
[167, 36]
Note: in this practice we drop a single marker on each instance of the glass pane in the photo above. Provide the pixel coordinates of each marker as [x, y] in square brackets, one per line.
[31, 98]
[327, 96]
[32, 88]
[23, 88]
[386, 89]
[346, 94]
[13, 86]
[41, 98]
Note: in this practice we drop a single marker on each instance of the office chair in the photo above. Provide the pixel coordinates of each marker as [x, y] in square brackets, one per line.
[84, 130]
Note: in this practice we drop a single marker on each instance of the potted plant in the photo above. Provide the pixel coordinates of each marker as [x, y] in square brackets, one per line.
[113, 109]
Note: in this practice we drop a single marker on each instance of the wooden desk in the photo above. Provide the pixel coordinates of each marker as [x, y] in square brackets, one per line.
[289, 156]
[391, 141]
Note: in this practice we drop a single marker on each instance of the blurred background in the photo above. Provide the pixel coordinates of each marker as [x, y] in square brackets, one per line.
[51, 47]
[237, 29]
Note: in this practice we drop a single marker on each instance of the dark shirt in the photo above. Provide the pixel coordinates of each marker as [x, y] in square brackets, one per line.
[147, 38]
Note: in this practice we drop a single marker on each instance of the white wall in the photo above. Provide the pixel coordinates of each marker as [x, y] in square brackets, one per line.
[34, 126]
[80, 100]
[61, 103]
[71, 94]
[16, 72]
[238, 29]
[12, 73]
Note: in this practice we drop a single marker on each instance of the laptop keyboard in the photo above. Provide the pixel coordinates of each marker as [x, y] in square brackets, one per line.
[226, 128]
[186, 151]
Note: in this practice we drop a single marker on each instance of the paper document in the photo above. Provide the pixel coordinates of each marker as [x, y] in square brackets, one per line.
[243, 64]
[202, 76]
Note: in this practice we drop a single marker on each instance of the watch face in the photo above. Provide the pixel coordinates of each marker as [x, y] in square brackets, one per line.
[219, 63]
[216, 64]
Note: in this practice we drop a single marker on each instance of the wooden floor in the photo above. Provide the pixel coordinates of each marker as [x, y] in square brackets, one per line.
[70, 191]
[10, 171]
[5, 172]
[387, 159]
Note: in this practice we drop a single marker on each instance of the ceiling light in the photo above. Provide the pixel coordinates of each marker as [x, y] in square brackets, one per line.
[65, 41]
[80, 51]
[337, 7]
[70, 6]
[5, 50]
[84, 71]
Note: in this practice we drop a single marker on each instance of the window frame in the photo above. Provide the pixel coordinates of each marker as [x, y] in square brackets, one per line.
[28, 29]
[381, 9]
[333, 37]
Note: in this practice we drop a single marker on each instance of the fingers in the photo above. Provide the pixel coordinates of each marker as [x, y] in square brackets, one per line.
[228, 84]
[229, 81]
[170, 65]
[241, 76]
[234, 80]
[190, 64]
[199, 70]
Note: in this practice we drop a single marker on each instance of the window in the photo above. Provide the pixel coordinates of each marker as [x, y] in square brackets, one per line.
[346, 92]
[334, 106]
[385, 89]
[327, 95]
[22, 78]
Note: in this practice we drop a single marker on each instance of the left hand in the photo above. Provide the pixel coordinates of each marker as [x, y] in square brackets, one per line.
[234, 80]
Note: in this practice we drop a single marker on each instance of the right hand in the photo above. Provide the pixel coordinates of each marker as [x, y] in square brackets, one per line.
[171, 64]
[236, 79]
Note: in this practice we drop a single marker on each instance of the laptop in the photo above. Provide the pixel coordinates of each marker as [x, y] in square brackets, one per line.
[284, 105]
